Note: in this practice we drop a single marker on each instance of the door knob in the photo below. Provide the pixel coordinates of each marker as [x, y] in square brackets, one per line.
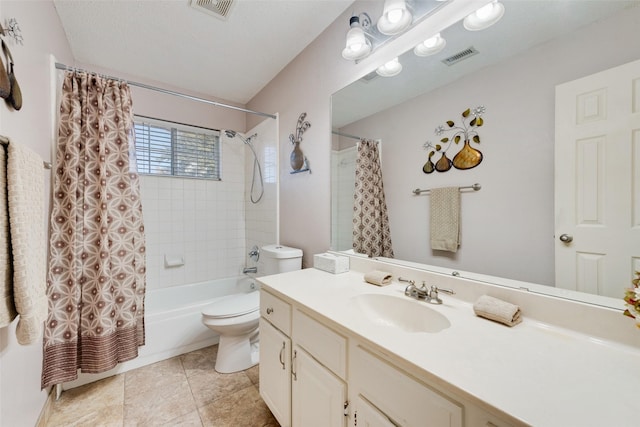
[566, 238]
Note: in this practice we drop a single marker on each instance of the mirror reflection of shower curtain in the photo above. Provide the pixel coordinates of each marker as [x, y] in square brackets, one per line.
[371, 232]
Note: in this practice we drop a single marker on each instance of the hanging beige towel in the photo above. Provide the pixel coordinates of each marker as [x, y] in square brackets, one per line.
[25, 182]
[378, 278]
[445, 219]
[498, 310]
[7, 308]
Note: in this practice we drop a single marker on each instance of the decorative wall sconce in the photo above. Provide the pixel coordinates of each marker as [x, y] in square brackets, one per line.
[298, 160]
[12, 29]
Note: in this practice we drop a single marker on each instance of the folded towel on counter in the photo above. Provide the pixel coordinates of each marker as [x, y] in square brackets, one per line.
[378, 278]
[444, 221]
[498, 310]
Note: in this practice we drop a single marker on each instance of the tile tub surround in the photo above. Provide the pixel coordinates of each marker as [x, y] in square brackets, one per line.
[184, 390]
[532, 374]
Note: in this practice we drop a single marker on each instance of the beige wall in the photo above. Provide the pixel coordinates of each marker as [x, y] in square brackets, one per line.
[20, 397]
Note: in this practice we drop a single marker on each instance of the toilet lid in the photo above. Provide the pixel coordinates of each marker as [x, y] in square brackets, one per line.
[233, 305]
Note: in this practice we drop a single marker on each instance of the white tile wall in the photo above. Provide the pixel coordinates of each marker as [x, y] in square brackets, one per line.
[202, 221]
[261, 218]
[210, 224]
[343, 182]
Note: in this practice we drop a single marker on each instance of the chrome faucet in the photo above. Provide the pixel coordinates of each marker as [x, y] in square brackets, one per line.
[249, 270]
[422, 293]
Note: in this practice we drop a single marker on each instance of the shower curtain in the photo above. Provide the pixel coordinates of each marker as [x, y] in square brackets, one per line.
[371, 233]
[96, 276]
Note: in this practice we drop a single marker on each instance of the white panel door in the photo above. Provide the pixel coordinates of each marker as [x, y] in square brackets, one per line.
[318, 396]
[597, 181]
[275, 372]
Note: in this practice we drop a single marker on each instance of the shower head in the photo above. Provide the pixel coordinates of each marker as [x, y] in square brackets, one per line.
[233, 134]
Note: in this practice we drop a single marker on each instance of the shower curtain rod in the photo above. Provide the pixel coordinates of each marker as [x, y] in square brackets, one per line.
[4, 141]
[346, 135]
[60, 66]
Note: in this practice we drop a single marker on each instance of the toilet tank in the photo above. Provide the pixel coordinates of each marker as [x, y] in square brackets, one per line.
[276, 259]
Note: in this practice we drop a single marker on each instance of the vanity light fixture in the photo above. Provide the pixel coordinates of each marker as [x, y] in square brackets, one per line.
[395, 18]
[430, 46]
[390, 69]
[357, 46]
[484, 17]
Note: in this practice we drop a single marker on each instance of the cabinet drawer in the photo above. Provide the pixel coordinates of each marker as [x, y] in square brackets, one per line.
[326, 346]
[404, 400]
[276, 311]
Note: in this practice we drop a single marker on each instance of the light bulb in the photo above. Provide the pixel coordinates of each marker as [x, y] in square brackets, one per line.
[485, 11]
[357, 45]
[390, 69]
[394, 15]
[484, 17]
[431, 42]
[430, 46]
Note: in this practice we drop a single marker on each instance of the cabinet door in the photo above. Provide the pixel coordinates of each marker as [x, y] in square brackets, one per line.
[367, 415]
[318, 396]
[275, 372]
[405, 400]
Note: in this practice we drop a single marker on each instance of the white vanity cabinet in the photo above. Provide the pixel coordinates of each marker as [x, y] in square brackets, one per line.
[315, 375]
[302, 367]
[275, 357]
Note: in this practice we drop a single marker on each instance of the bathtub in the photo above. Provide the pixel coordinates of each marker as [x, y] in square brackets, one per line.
[173, 323]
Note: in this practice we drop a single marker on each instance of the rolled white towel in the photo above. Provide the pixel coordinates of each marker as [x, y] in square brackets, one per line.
[378, 278]
[498, 310]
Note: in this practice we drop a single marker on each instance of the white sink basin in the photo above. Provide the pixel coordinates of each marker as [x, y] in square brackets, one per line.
[401, 313]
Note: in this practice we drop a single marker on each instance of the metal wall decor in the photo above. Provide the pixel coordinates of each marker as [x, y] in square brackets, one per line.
[299, 162]
[9, 87]
[467, 157]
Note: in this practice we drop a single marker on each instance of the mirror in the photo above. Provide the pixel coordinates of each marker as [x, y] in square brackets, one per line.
[508, 231]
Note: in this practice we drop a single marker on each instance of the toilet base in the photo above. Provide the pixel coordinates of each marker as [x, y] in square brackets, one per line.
[237, 353]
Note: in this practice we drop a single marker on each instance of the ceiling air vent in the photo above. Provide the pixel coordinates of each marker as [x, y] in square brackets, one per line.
[463, 54]
[218, 8]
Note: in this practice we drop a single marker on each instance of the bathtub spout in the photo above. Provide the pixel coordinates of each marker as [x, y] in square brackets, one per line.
[249, 270]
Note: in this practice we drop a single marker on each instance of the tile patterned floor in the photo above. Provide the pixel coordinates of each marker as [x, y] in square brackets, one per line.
[182, 391]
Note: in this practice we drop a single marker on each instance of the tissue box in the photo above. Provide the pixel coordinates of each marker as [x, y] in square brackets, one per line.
[331, 263]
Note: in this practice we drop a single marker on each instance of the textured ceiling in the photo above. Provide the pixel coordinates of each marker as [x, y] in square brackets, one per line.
[170, 42]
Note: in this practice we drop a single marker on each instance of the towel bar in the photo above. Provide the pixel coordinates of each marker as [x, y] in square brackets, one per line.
[4, 141]
[475, 187]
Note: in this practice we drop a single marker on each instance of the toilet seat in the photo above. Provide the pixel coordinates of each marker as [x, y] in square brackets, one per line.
[233, 306]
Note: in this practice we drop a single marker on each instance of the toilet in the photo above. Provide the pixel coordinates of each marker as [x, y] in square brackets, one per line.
[235, 317]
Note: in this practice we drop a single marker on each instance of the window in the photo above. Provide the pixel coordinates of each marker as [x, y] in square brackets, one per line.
[168, 148]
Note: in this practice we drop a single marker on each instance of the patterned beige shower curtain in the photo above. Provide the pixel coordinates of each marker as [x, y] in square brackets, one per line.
[96, 277]
[371, 233]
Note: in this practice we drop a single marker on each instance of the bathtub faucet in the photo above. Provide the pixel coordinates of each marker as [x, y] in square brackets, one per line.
[249, 270]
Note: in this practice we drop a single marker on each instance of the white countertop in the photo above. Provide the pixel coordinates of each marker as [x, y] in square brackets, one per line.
[538, 374]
